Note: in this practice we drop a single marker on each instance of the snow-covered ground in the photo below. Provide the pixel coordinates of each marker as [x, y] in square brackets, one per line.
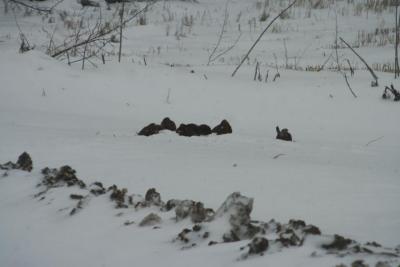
[341, 173]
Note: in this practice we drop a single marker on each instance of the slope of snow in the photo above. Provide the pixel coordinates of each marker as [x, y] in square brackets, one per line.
[341, 173]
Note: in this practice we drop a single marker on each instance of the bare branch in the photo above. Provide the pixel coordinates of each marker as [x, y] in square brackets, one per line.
[100, 33]
[227, 49]
[221, 33]
[41, 9]
[366, 64]
[348, 85]
[25, 46]
[261, 35]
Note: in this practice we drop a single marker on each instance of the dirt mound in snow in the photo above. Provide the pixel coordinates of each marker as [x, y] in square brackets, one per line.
[191, 209]
[60, 177]
[151, 220]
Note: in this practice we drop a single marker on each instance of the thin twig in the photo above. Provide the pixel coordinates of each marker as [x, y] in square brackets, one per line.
[286, 54]
[326, 61]
[374, 140]
[348, 85]
[92, 32]
[22, 48]
[350, 67]
[51, 36]
[279, 155]
[256, 71]
[336, 41]
[221, 34]
[92, 55]
[227, 49]
[168, 95]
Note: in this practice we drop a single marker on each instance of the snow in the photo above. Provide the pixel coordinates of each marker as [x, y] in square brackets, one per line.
[341, 173]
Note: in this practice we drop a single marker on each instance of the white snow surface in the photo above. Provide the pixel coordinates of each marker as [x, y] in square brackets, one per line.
[341, 173]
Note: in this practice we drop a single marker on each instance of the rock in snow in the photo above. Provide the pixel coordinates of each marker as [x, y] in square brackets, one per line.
[258, 245]
[194, 210]
[153, 197]
[24, 163]
[60, 177]
[338, 243]
[151, 220]
[237, 208]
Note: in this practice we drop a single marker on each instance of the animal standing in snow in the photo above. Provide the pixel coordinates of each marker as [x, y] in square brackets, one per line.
[283, 134]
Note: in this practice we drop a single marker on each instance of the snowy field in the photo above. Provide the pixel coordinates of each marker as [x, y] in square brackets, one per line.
[341, 173]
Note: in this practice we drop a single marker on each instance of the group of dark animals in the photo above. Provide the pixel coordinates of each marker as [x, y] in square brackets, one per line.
[192, 129]
[188, 130]
[224, 127]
